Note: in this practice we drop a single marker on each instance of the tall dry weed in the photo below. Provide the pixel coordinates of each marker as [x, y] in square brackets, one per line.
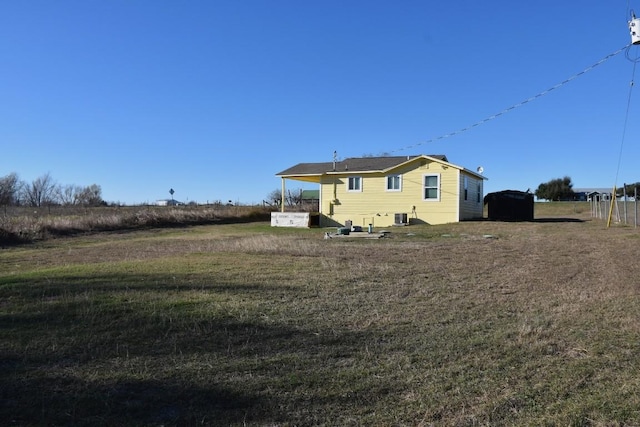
[22, 228]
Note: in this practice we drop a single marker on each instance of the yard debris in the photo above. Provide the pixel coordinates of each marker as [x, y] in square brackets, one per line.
[357, 234]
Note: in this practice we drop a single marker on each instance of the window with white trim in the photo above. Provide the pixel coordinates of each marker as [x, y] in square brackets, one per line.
[432, 187]
[394, 182]
[354, 183]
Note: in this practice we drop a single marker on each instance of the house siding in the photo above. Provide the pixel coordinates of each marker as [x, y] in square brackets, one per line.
[471, 208]
[375, 205]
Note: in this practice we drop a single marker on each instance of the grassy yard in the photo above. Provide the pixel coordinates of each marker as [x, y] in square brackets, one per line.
[469, 324]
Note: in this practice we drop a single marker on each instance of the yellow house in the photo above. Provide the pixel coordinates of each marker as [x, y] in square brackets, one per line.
[384, 191]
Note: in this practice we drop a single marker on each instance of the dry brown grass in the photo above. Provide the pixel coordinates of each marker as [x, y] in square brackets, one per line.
[20, 225]
[477, 323]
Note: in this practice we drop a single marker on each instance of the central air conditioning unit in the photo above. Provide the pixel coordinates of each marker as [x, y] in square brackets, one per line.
[401, 219]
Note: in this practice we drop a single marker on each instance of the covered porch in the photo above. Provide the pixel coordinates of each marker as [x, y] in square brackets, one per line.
[304, 214]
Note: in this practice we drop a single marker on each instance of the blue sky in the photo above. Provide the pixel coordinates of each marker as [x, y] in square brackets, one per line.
[213, 98]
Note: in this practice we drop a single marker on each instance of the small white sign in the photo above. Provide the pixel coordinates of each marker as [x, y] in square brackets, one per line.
[290, 219]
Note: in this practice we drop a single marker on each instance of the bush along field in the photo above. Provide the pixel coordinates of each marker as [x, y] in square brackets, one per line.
[21, 225]
[476, 323]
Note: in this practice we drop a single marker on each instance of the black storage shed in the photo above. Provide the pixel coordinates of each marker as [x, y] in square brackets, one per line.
[509, 205]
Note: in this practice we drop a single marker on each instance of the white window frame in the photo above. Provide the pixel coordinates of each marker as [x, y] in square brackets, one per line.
[351, 180]
[391, 179]
[424, 187]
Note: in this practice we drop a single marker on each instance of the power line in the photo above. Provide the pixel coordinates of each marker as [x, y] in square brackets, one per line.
[513, 107]
[631, 84]
[626, 116]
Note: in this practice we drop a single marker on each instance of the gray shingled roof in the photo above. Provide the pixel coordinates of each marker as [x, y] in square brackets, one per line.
[353, 164]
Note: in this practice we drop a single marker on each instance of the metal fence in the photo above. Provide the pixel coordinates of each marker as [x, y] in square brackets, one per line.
[622, 210]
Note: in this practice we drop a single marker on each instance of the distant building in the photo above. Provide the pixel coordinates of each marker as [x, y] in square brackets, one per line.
[592, 194]
[310, 199]
[168, 202]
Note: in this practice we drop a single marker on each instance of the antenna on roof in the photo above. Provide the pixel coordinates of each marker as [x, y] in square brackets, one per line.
[335, 158]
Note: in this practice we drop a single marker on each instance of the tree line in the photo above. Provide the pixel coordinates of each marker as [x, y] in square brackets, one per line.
[562, 189]
[556, 189]
[629, 190]
[44, 191]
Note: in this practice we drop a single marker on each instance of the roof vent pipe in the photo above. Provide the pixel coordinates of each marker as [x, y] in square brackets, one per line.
[335, 157]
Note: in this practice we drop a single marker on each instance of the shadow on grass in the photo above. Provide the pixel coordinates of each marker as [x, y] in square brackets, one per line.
[70, 401]
[553, 220]
[539, 220]
[99, 351]
[119, 284]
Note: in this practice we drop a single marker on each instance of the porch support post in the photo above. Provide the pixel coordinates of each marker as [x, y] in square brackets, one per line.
[282, 193]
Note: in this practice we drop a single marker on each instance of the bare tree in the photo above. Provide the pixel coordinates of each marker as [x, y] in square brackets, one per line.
[40, 192]
[75, 195]
[9, 189]
[274, 198]
[294, 198]
[68, 194]
[90, 196]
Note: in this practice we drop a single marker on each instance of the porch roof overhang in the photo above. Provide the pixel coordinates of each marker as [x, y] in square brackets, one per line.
[306, 178]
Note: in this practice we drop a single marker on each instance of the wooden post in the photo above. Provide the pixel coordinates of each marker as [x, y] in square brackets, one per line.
[613, 199]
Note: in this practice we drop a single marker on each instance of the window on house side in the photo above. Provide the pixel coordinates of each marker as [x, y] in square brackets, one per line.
[466, 187]
[394, 183]
[354, 184]
[432, 187]
[479, 192]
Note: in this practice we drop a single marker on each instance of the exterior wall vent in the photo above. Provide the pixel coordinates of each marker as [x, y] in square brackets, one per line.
[401, 219]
